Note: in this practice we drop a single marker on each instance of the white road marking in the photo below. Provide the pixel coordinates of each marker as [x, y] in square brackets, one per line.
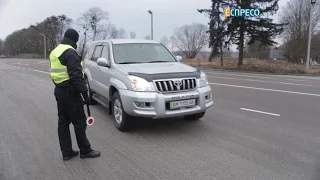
[264, 89]
[30, 69]
[274, 82]
[24, 64]
[232, 74]
[266, 76]
[297, 80]
[262, 112]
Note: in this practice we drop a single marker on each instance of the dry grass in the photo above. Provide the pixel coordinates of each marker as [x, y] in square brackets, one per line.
[28, 56]
[268, 66]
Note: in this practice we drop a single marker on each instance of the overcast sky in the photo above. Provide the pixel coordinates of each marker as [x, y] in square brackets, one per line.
[132, 15]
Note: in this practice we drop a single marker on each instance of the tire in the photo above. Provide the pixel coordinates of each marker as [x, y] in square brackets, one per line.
[121, 119]
[195, 117]
[90, 94]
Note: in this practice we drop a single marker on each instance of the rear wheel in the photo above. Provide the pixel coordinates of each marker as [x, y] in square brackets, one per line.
[194, 117]
[90, 94]
[121, 119]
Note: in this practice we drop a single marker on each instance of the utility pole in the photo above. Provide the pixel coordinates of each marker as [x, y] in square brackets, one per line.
[44, 45]
[151, 13]
[44, 41]
[313, 2]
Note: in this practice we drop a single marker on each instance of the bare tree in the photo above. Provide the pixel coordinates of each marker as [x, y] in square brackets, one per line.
[84, 40]
[133, 35]
[165, 41]
[190, 39]
[95, 17]
[64, 24]
[296, 17]
[119, 34]
[257, 50]
[315, 47]
[172, 45]
[107, 31]
[226, 52]
[148, 37]
[110, 31]
[30, 40]
[1, 46]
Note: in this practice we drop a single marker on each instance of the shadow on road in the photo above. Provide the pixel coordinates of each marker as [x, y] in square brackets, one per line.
[171, 126]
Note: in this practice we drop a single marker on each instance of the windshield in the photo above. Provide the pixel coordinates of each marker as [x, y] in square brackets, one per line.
[141, 53]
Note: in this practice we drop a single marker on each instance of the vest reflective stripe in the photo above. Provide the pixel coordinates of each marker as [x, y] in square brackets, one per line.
[58, 70]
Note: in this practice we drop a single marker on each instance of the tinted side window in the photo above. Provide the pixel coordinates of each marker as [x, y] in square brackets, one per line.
[90, 52]
[105, 52]
[97, 53]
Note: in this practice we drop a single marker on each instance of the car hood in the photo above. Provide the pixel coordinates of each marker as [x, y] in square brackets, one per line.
[156, 68]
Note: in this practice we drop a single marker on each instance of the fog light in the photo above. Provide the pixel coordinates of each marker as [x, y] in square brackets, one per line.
[208, 97]
[140, 104]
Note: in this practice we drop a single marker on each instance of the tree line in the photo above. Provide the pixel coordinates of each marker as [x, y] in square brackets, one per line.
[93, 25]
[253, 36]
[30, 40]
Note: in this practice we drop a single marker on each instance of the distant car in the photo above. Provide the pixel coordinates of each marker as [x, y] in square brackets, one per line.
[2, 56]
[141, 78]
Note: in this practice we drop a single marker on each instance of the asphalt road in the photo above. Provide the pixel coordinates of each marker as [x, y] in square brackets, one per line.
[261, 127]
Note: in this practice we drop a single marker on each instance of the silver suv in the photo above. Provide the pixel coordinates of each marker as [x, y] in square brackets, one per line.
[141, 78]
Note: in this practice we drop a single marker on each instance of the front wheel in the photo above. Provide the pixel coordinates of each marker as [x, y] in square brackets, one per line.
[194, 117]
[121, 119]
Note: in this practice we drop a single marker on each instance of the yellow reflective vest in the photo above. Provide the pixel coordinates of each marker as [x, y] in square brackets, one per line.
[58, 72]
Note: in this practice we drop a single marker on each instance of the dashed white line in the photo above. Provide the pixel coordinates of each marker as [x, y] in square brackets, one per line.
[264, 89]
[24, 64]
[30, 69]
[297, 80]
[262, 112]
[241, 75]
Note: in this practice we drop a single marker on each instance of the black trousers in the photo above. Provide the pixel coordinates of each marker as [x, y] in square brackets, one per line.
[71, 110]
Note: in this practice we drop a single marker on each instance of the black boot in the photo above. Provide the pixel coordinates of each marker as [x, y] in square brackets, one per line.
[69, 155]
[90, 154]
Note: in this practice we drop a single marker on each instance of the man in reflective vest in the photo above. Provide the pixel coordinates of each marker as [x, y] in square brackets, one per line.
[70, 92]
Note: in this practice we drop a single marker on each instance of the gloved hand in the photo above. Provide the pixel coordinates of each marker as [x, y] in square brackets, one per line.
[85, 98]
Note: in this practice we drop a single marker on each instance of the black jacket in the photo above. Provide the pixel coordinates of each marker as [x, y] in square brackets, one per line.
[71, 59]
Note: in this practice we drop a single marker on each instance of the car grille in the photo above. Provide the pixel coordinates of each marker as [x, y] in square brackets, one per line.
[176, 85]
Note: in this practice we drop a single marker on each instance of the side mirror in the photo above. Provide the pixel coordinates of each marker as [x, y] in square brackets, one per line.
[179, 58]
[103, 62]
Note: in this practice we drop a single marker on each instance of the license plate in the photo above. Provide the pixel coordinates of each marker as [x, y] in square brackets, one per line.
[181, 104]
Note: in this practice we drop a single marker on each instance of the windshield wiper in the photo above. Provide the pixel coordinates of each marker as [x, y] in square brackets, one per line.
[129, 63]
[158, 61]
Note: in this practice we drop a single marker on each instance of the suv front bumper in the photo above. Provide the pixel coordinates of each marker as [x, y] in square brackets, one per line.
[156, 104]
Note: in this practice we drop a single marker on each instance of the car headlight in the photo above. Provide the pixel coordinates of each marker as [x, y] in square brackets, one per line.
[140, 84]
[203, 80]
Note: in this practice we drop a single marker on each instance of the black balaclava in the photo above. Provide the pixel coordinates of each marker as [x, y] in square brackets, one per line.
[72, 34]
